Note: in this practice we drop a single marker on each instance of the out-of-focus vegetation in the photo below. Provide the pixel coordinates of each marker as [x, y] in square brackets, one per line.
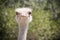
[45, 24]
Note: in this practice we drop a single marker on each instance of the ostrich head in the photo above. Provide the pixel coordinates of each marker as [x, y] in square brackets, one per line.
[23, 13]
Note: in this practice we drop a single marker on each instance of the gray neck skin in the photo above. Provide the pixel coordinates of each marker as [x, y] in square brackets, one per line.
[23, 28]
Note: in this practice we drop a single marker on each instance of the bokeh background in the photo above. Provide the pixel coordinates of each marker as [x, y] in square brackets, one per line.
[45, 24]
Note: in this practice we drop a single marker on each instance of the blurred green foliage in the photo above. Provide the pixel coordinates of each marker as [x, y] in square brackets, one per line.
[45, 24]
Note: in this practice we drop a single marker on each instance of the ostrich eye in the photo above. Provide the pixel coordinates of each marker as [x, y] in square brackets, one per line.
[29, 13]
[17, 13]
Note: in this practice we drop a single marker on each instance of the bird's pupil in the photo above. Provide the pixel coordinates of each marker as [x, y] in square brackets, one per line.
[17, 13]
[29, 13]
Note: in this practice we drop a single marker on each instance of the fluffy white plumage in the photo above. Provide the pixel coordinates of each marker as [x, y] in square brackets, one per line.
[23, 10]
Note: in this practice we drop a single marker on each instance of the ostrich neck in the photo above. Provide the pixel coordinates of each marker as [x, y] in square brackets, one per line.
[23, 28]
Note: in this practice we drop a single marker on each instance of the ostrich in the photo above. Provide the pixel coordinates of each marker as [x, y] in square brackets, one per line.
[23, 18]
